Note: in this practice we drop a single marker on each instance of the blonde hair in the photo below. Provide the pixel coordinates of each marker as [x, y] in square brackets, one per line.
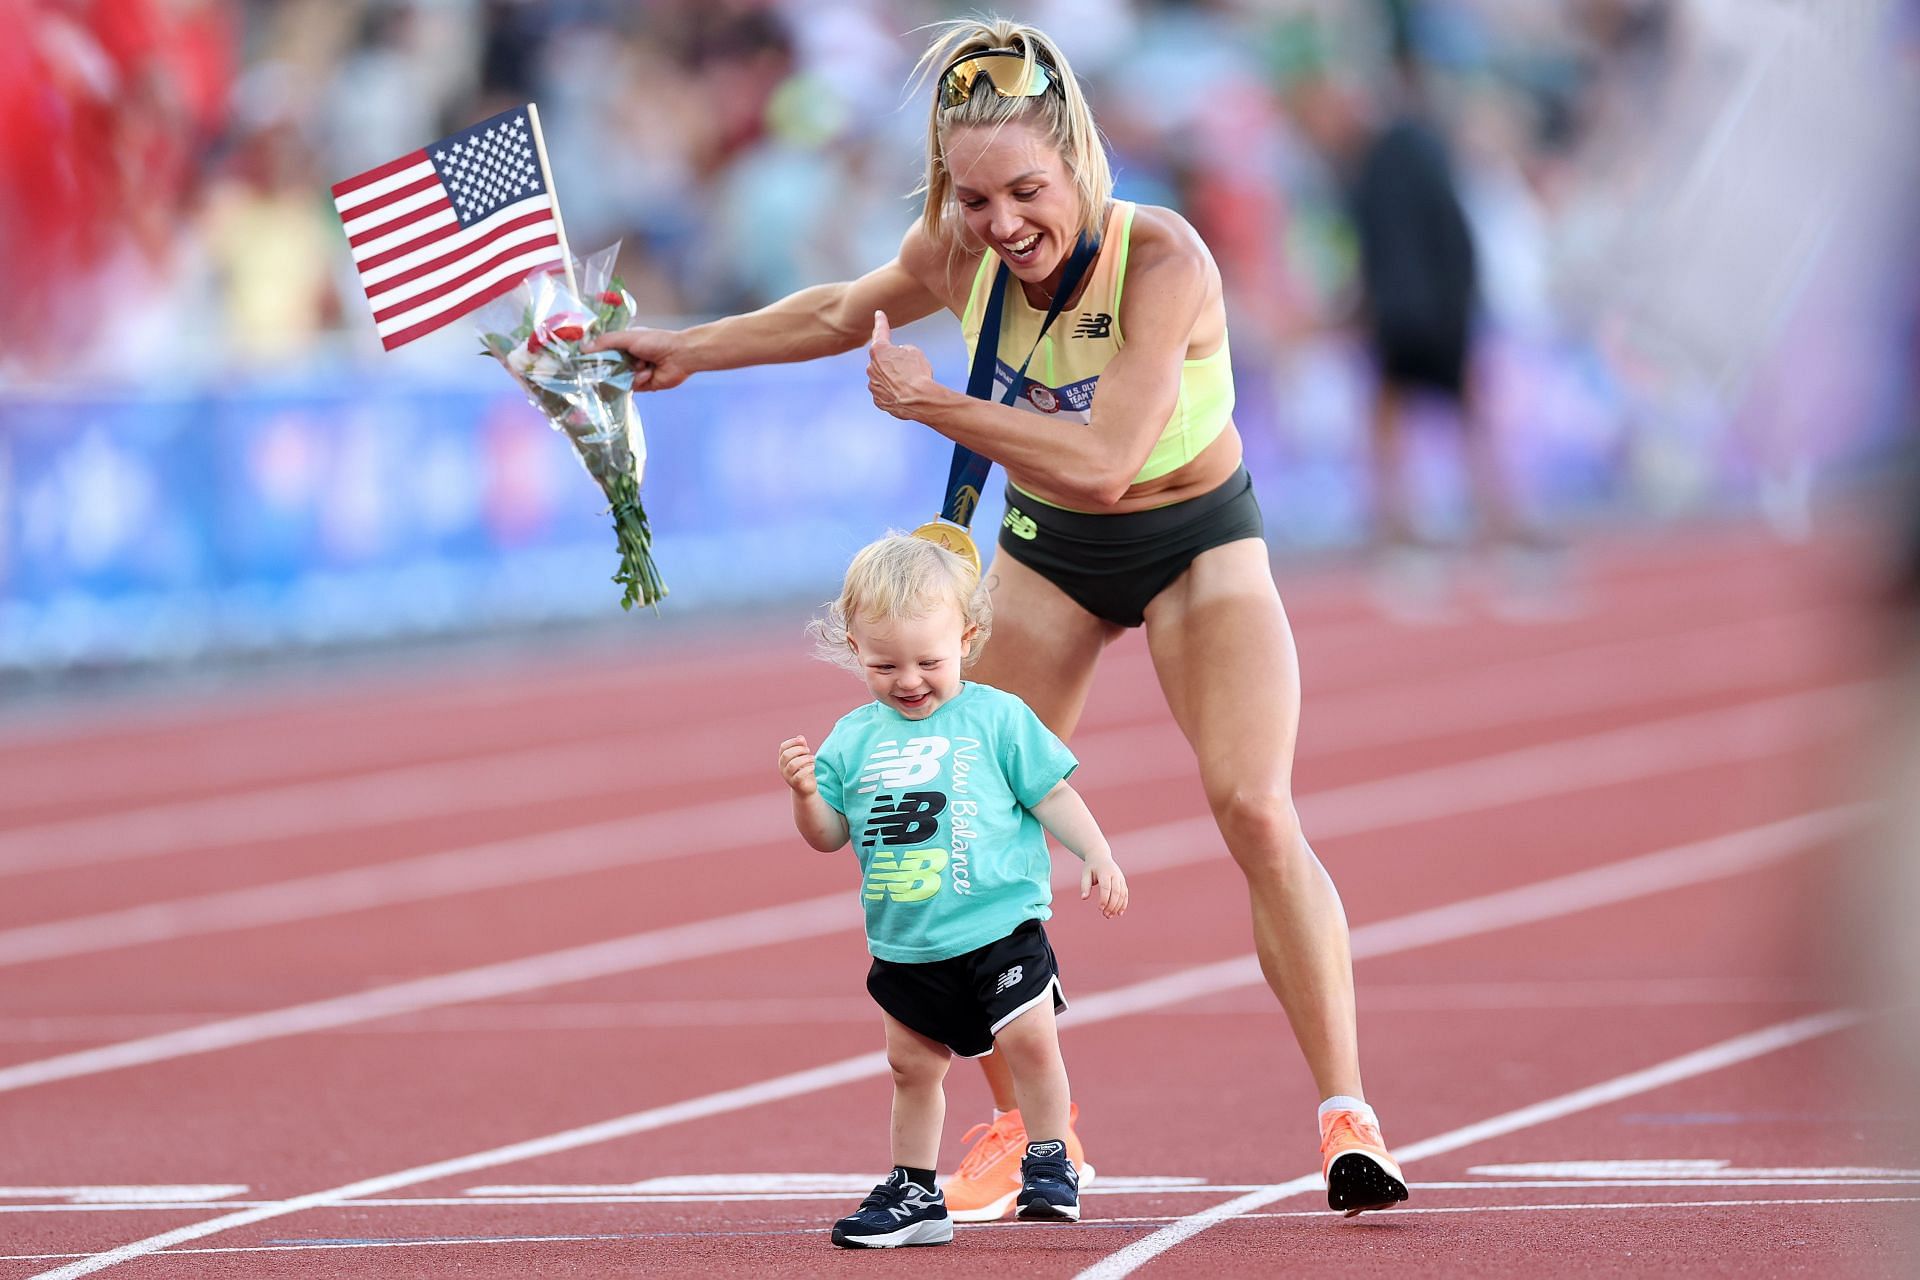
[901, 576]
[1061, 113]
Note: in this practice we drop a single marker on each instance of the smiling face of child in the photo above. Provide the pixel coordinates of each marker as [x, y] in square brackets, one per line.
[912, 663]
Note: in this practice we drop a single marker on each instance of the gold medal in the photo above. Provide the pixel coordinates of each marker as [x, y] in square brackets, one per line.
[953, 538]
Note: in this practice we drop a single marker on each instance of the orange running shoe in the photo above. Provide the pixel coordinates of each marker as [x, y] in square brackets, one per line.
[1353, 1159]
[987, 1182]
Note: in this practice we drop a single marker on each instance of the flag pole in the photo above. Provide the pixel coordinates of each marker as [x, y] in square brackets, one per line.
[553, 197]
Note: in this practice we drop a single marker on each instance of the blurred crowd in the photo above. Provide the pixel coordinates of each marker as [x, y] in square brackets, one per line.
[179, 151]
[1677, 187]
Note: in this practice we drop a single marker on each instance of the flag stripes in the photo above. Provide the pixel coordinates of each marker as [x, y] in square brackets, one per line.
[441, 231]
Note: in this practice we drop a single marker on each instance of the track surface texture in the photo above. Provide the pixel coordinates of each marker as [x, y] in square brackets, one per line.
[515, 967]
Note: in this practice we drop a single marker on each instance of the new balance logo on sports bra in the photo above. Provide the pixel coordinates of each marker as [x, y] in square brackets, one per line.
[1094, 324]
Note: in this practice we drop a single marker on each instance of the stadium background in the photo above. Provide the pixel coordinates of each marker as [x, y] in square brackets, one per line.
[1696, 297]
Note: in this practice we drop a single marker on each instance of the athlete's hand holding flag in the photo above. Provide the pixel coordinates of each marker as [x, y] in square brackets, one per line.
[470, 224]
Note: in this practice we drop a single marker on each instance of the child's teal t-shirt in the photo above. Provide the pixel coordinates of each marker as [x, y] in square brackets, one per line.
[951, 856]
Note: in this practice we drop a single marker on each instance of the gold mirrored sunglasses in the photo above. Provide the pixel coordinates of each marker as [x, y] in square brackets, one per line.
[1005, 69]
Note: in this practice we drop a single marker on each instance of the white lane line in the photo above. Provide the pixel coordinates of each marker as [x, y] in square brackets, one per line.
[406, 793]
[1675, 1170]
[125, 1196]
[1744, 732]
[1591, 677]
[1717, 1057]
[1634, 877]
[787, 922]
[1090, 1224]
[840, 1197]
[830, 913]
[494, 683]
[1147, 849]
[611, 1015]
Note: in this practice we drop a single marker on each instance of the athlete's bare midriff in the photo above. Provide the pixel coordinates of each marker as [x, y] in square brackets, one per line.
[1204, 474]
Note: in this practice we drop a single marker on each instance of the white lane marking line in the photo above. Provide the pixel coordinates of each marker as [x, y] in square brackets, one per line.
[355, 1244]
[1743, 732]
[832, 1197]
[516, 778]
[1672, 1170]
[1613, 882]
[1650, 873]
[786, 922]
[398, 689]
[1085, 1223]
[400, 794]
[750, 1011]
[1713, 659]
[124, 1194]
[1600, 1205]
[1716, 1057]
[797, 1084]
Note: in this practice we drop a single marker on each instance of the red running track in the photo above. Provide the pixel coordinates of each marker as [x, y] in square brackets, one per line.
[516, 968]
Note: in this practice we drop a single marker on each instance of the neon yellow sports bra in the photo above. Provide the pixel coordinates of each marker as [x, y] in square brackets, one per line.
[1067, 366]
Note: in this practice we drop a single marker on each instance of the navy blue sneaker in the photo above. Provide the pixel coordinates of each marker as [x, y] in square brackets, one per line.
[897, 1212]
[1050, 1189]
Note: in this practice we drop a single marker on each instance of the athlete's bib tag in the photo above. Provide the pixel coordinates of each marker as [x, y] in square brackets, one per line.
[953, 538]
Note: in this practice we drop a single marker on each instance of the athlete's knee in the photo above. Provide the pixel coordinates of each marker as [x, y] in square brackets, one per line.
[1262, 829]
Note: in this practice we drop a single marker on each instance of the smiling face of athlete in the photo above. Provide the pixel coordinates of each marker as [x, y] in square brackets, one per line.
[1017, 196]
[912, 664]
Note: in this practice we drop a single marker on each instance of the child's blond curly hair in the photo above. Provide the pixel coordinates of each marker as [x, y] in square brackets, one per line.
[901, 576]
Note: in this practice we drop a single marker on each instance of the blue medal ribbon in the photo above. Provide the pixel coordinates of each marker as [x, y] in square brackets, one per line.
[968, 473]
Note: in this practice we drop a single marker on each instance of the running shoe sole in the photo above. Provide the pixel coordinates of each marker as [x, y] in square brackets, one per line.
[1356, 1182]
[918, 1233]
[994, 1210]
[1045, 1211]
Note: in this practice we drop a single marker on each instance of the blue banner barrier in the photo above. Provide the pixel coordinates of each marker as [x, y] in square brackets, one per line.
[361, 506]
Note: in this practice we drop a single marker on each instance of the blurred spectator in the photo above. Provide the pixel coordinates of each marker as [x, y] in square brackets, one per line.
[108, 109]
[271, 239]
[1419, 309]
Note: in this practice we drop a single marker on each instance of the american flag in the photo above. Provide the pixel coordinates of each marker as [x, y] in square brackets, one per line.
[448, 228]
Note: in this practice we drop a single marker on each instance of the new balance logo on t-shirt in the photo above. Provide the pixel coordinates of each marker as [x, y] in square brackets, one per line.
[1094, 324]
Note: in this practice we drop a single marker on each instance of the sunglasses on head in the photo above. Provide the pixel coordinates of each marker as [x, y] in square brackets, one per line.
[1006, 70]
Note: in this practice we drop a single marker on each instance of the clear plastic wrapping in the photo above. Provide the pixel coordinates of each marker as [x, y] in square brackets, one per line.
[536, 332]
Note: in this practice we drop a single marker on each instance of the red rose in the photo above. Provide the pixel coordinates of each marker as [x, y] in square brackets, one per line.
[554, 330]
[612, 299]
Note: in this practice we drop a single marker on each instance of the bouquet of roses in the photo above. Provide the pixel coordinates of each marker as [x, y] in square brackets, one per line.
[536, 332]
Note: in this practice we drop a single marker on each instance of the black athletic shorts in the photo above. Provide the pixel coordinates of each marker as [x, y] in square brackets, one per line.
[1113, 566]
[964, 1002]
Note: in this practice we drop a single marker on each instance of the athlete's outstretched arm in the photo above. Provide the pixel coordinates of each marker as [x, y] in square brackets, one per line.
[1168, 283]
[823, 320]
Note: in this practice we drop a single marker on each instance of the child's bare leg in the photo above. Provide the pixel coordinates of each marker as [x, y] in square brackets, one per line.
[919, 1103]
[999, 1081]
[1031, 1046]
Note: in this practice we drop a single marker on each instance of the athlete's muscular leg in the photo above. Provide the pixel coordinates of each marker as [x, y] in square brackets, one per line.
[1043, 648]
[1225, 656]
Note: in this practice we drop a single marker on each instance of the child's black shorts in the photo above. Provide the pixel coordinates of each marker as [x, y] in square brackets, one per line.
[964, 1002]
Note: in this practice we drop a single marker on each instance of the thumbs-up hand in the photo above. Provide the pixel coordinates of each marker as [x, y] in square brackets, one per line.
[897, 377]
